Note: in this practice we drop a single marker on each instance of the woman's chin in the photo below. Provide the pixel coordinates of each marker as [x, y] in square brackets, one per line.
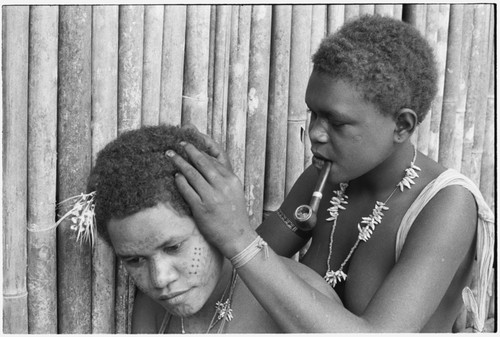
[183, 311]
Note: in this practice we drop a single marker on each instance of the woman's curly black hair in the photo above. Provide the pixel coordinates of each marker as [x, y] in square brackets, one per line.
[133, 173]
[388, 60]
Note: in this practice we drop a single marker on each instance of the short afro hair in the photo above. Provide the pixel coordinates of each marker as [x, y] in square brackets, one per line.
[133, 173]
[387, 60]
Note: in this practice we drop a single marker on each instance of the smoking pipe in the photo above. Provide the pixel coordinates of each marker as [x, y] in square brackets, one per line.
[306, 214]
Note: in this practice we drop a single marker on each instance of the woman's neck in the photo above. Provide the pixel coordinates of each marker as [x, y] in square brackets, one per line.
[200, 321]
[382, 179]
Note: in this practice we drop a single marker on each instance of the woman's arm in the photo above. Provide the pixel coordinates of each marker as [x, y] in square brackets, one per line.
[284, 240]
[436, 246]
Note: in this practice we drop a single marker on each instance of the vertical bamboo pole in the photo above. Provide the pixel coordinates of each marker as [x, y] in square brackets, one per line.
[318, 28]
[153, 39]
[451, 87]
[474, 117]
[211, 67]
[238, 88]
[130, 62]
[104, 129]
[74, 106]
[123, 285]
[195, 92]
[366, 9]
[172, 67]
[15, 24]
[221, 74]
[458, 133]
[42, 158]
[477, 97]
[487, 184]
[416, 16]
[274, 191]
[431, 32]
[384, 10]
[482, 83]
[398, 11]
[131, 297]
[299, 74]
[335, 17]
[258, 90]
[351, 12]
[437, 104]
[318, 31]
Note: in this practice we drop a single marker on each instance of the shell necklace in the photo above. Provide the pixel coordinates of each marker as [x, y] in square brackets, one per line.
[367, 224]
[223, 311]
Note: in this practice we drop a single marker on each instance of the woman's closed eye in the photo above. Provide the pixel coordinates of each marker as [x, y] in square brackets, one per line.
[134, 261]
[172, 248]
[330, 119]
[334, 120]
[336, 123]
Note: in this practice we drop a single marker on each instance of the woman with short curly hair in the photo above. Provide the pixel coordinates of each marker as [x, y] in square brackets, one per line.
[185, 284]
[391, 230]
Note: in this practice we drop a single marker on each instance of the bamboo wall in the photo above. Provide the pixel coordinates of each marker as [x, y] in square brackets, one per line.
[74, 77]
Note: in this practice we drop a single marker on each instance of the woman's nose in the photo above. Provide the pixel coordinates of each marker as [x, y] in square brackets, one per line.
[162, 271]
[318, 130]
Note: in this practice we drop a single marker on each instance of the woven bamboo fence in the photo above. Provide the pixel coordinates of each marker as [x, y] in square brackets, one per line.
[75, 77]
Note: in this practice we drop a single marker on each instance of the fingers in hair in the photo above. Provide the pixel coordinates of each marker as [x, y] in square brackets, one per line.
[195, 178]
[187, 191]
[208, 166]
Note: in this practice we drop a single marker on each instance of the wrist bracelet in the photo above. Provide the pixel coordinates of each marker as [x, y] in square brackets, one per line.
[249, 252]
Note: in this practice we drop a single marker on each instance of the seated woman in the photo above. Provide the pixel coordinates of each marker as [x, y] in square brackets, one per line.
[397, 246]
[186, 285]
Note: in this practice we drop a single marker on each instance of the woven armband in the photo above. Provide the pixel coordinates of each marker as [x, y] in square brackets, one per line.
[291, 226]
[249, 252]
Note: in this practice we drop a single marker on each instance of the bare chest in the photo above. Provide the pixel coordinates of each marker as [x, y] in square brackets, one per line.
[336, 246]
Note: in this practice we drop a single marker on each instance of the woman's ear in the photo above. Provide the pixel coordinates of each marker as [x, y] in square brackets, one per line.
[406, 122]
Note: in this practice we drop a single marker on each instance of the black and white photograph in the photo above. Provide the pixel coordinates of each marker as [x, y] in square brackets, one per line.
[259, 167]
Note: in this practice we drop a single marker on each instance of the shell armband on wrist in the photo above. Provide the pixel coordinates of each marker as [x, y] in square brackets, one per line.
[249, 252]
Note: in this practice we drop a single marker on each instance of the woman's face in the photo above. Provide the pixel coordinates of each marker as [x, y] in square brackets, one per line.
[167, 257]
[345, 129]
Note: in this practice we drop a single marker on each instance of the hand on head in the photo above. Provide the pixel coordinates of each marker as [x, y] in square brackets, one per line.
[216, 198]
[213, 148]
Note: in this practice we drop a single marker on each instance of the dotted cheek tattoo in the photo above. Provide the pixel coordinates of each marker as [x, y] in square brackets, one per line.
[195, 261]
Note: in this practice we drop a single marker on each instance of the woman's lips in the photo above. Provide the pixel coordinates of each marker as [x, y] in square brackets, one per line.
[318, 161]
[173, 297]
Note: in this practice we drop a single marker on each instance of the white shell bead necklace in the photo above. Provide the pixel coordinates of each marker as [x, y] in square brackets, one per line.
[367, 224]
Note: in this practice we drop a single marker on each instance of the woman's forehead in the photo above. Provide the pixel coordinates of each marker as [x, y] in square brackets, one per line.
[327, 94]
[149, 229]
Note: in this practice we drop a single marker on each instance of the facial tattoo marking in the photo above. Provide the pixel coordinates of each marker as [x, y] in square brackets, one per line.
[195, 261]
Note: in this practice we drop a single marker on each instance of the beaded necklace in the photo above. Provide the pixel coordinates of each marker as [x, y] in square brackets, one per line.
[367, 224]
[223, 311]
